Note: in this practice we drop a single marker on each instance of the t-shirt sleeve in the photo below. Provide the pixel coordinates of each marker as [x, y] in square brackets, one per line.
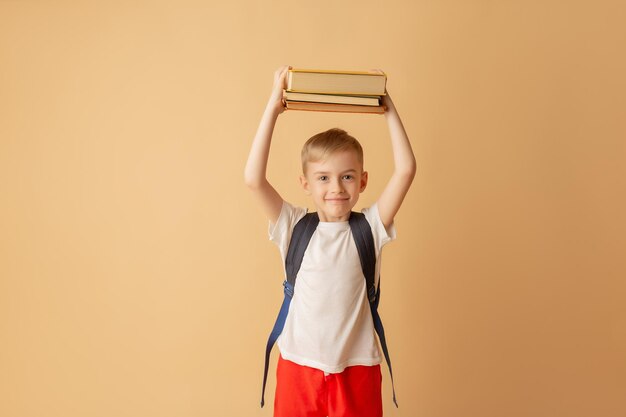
[280, 232]
[382, 235]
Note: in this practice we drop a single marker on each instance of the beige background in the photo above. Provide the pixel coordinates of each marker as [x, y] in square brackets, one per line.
[136, 278]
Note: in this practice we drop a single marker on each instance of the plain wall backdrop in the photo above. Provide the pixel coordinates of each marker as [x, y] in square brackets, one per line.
[136, 274]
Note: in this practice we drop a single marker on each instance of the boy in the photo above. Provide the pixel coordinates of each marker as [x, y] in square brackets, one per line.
[329, 362]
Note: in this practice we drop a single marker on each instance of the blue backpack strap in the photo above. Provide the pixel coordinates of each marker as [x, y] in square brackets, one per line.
[302, 233]
[300, 238]
[362, 233]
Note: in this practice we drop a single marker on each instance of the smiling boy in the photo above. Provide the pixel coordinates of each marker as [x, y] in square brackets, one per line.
[332, 166]
[329, 362]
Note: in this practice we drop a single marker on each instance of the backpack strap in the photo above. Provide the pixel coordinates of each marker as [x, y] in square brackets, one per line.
[302, 233]
[300, 238]
[362, 233]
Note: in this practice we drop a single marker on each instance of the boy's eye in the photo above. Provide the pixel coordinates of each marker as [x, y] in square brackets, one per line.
[323, 178]
[348, 177]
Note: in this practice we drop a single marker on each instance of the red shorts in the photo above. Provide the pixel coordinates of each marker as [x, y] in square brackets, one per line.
[306, 392]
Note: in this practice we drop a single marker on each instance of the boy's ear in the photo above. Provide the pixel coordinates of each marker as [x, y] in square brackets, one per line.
[363, 181]
[305, 185]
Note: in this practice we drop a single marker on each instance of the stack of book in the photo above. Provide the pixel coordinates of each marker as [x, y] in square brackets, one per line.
[335, 91]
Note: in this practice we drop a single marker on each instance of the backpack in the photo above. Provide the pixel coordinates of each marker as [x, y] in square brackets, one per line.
[302, 233]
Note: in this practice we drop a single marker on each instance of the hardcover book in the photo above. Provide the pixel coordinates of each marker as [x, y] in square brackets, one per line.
[331, 98]
[329, 107]
[368, 83]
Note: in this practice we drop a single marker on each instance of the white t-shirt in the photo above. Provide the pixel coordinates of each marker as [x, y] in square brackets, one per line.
[329, 325]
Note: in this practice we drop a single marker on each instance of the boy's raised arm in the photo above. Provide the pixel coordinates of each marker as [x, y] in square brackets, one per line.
[392, 196]
[256, 167]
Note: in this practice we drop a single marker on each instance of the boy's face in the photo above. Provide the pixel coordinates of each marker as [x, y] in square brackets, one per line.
[335, 185]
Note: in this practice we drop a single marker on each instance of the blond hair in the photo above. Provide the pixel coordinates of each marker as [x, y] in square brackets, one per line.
[324, 144]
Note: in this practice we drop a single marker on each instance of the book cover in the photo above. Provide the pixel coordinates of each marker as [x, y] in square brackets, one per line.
[331, 98]
[371, 83]
[327, 107]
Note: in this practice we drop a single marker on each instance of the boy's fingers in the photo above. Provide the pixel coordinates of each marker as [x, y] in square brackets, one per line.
[281, 69]
[280, 72]
[283, 76]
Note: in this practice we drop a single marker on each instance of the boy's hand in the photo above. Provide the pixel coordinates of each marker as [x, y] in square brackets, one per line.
[388, 103]
[255, 173]
[276, 101]
[392, 196]
[386, 99]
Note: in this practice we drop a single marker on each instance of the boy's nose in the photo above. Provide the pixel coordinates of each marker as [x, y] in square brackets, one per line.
[337, 186]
